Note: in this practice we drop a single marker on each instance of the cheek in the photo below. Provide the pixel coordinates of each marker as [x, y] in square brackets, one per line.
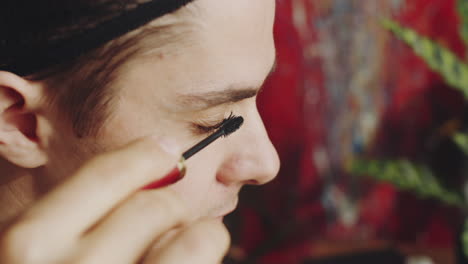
[65, 159]
[200, 189]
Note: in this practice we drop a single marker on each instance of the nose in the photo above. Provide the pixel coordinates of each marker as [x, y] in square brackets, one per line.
[252, 158]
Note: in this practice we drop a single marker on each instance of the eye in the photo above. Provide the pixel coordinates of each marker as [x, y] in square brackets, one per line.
[209, 128]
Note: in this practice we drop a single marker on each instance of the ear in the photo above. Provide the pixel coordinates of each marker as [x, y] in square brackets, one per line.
[19, 142]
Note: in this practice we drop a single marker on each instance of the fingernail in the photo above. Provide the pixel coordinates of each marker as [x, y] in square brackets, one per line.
[177, 174]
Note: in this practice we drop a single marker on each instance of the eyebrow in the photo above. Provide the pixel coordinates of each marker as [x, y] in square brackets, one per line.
[232, 94]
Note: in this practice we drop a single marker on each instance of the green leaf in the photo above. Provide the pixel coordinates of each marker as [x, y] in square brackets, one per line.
[407, 176]
[465, 238]
[462, 8]
[462, 141]
[439, 58]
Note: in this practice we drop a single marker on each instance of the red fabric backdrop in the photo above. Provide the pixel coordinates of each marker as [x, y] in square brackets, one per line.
[279, 223]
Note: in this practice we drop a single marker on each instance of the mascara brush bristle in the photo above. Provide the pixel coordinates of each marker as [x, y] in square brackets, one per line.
[225, 130]
[233, 125]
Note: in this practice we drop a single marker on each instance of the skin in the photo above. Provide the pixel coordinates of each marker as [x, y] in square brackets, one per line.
[160, 100]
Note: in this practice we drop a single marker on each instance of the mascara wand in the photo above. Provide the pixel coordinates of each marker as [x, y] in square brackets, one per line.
[225, 130]
[178, 173]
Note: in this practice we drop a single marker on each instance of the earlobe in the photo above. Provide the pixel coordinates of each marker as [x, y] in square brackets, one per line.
[19, 143]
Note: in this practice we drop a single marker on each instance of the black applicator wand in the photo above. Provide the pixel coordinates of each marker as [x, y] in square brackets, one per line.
[227, 128]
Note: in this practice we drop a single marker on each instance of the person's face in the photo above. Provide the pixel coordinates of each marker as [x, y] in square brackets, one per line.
[218, 72]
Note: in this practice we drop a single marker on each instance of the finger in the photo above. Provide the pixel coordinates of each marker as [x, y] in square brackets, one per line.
[204, 243]
[128, 231]
[96, 188]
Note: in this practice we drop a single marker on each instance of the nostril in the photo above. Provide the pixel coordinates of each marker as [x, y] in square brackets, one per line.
[252, 182]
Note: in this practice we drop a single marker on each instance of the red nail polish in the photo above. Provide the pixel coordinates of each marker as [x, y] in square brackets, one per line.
[172, 177]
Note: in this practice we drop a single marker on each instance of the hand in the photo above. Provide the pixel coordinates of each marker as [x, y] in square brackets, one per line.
[99, 216]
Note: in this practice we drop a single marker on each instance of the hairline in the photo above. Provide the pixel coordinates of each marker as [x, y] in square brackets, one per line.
[164, 34]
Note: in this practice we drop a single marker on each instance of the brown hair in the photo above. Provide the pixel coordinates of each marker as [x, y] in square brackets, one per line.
[81, 87]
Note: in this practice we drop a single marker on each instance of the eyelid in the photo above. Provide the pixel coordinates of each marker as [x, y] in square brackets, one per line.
[204, 126]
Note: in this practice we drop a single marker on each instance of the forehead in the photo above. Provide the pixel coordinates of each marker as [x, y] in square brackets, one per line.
[228, 44]
[238, 34]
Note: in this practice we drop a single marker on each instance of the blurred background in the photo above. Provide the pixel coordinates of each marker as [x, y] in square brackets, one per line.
[367, 111]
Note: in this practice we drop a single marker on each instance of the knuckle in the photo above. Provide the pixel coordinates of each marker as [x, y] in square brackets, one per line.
[141, 200]
[207, 238]
[170, 204]
[19, 244]
[116, 166]
[221, 236]
[196, 243]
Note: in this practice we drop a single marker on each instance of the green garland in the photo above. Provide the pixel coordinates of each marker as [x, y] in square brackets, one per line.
[403, 173]
[409, 177]
[462, 141]
[464, 238]
[440, 59]
[462, 7]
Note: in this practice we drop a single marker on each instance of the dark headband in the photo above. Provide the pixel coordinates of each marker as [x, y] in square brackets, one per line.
[31, 60]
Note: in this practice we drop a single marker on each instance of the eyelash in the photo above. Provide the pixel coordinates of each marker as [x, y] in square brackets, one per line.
[204, 129]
